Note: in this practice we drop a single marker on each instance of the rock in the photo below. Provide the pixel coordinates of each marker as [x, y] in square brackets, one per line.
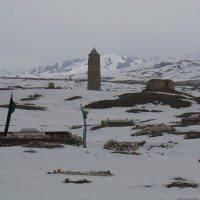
[67, 180]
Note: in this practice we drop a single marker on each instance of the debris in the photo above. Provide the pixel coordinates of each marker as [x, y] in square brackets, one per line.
[166, 146]
[77, 182]
[191, 121]
[142, 110]
[96, 127]
[86, 173]
[30, 151]
[43, 145]
[123, 147]
[156, 130]
[148, 120]
[124, 152]
[192, 135]
[182, 185]
[117, 123]
[179, 179]
[32, 97]
[76, 127]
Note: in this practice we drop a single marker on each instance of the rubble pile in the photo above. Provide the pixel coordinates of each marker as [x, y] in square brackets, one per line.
[86, 173]
[154, 131]
[34, 138]
[123, 147]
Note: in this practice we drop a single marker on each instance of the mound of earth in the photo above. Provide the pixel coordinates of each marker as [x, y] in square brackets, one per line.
[132, 99]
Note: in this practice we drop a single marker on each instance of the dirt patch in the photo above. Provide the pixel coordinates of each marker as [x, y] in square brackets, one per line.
[19, 86]
[86, 173]
[32, 97]
[197, 100]
[182, 185]
[189, 114]
[165, 146]
[142, 110]
[188, 119]
[5, 88]
[148, 120]
[76, 126]
[77, 182]
[124, 152]
[137, 127]
[30, 151]
[96, 127]
[180, 179]
[25, 107]
[191, 135]
[73, 98]
[132, 99]
[37, 142]
[43, 145]
[117, 123]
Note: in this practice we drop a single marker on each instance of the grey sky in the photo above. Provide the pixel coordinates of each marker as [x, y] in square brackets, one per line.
[41, 32]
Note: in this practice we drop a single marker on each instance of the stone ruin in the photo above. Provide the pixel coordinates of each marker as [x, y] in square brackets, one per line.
[51, 86]
[160, 85]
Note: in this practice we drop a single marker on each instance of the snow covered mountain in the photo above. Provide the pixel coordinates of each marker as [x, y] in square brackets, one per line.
[118, 67]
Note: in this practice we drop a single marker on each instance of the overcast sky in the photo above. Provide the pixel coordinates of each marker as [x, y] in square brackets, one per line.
[41, 32]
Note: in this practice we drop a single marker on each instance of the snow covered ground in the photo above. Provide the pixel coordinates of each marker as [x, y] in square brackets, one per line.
[23, 176]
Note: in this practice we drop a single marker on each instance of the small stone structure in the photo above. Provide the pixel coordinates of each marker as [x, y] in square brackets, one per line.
[26, 136]
[160, 85]
[94, 74]
[51, 86]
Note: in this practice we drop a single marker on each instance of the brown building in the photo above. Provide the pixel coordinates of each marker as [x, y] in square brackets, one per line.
[94, 72]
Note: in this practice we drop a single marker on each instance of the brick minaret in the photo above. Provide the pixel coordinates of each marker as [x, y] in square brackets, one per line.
[94, 74]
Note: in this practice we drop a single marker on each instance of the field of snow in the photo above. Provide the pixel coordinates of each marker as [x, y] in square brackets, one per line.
[23, 176]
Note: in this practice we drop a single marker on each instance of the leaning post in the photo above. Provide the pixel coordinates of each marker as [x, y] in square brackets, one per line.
[84, 113]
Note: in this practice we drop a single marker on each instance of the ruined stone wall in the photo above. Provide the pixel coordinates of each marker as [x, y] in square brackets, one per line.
[160, 85]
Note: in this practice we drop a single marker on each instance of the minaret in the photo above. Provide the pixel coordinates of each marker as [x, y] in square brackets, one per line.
[94, 74]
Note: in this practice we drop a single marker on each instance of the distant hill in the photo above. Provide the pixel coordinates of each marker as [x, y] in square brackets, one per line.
[118, 67]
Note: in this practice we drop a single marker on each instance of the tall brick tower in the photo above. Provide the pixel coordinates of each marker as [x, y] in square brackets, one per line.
[94, 73]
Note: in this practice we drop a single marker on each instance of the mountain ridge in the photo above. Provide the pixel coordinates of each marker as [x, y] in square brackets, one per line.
[117, 67]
